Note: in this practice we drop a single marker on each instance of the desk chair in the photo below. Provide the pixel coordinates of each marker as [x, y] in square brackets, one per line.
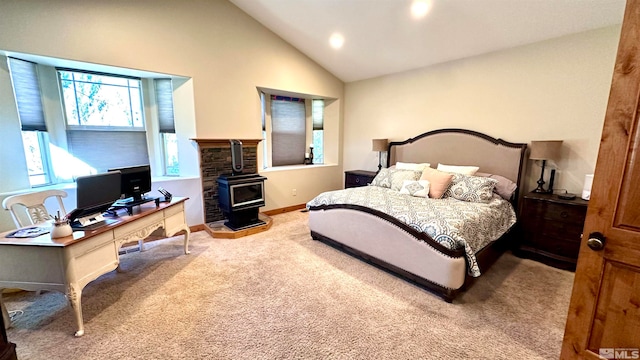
[32, 205]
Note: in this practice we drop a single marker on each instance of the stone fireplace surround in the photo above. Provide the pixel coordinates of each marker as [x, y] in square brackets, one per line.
[215, 159]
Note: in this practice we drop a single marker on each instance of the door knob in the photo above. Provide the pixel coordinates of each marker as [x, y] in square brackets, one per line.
[596, 241]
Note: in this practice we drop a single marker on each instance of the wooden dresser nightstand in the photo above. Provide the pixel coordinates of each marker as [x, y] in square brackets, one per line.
[7, 349]
[355, 178]
[551, 229]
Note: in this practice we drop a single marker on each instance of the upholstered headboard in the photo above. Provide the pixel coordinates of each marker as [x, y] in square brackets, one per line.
[462, 147]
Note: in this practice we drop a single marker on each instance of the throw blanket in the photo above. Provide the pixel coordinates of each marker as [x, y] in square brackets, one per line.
[452, 223]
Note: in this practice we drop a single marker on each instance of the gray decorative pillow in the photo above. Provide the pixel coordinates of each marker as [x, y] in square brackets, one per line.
[471, 188]
[382, 179]
[399, 176]
[393, 178]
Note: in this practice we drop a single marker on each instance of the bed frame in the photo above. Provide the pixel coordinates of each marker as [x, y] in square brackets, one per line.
[381, 240]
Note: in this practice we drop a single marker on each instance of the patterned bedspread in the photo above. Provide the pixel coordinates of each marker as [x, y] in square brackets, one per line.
[452, 223]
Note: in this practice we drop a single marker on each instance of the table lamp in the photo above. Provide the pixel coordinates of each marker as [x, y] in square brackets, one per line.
[379, 145]
[544, 150]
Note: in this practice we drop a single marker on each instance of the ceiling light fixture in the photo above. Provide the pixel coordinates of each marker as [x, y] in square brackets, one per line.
[420, 8]
[336, 41]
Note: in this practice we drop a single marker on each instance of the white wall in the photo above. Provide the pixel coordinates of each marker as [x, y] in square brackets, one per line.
[225, 54]
[552, 90]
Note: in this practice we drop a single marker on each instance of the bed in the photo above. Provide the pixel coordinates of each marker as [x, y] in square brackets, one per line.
[441, 244]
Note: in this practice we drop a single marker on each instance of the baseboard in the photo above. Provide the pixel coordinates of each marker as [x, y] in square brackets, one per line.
[272, 212]
[219, 230]
[198, 227]
[284, 209]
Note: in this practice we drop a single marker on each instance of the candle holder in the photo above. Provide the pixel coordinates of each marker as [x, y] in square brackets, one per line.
[308, 159]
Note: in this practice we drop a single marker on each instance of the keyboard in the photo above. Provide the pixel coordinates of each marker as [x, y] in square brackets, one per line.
[77, 226]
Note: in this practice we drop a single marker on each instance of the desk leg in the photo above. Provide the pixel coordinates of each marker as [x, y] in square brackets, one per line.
[5, 313]
[74, 294]
[187, 232]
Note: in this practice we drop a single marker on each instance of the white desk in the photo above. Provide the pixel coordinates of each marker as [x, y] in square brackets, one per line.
[68, 264]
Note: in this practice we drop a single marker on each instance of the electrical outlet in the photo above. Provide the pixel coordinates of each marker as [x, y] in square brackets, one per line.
[294, 192]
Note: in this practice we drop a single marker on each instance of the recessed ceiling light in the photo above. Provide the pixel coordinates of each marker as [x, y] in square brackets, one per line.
[336, 41]
[420, 8]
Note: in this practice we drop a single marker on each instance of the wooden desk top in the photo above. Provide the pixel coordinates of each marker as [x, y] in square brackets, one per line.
[123, 218]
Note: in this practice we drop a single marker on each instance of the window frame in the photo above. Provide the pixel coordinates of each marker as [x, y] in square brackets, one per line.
[165, 155]
[317, 158]
[165, 116]
[45, 158]
[82, 127]
[266, 122]
[88, 145]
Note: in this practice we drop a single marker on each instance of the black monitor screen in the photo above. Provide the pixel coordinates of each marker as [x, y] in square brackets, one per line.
[96, 193]
[135, 181]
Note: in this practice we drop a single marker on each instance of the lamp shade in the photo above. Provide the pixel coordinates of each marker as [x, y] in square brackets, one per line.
[545, 150]
[379, 145]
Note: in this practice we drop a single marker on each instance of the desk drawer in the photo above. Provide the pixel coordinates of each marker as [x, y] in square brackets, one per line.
[95, 262]
[173, 222]
[178, 208]
[90, 244]
[139, 224]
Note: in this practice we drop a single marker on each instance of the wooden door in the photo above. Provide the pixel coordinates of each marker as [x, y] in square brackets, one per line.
[604, 314]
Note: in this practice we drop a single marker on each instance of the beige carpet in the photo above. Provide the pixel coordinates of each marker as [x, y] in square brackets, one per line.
[282, 295]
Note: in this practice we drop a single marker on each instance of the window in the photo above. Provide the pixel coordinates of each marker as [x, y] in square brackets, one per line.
[288, 130]
[164, 102]
[101, 100]
[317, 113]
[105, 121]
[35, 150]
[26, 88]
[290, 126]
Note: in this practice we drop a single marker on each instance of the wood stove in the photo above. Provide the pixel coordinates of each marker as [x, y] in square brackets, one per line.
[239, 197]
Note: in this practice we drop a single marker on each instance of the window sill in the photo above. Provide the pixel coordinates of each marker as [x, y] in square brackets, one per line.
[296, 167]
[72, 185]
[171, 178]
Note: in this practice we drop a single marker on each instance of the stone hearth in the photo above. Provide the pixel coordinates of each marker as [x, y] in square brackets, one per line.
[215, 159]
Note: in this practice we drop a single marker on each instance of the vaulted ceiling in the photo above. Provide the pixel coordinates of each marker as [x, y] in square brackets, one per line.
[382, 37]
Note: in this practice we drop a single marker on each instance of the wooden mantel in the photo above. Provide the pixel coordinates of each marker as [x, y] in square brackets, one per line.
[203, 143]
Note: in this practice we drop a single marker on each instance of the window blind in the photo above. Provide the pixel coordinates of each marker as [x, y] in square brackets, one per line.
[317, 114]
[288, 131]
[24, 76]
[103, 150]
[164, 101]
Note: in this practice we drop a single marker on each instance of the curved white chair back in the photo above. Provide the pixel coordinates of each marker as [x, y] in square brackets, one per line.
[33, 205]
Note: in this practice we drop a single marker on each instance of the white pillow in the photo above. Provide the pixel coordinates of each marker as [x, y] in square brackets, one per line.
[419, 188]
[412, 166]
[464, 170]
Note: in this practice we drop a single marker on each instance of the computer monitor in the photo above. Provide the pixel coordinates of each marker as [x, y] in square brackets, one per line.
[135, 181]
[96, 193]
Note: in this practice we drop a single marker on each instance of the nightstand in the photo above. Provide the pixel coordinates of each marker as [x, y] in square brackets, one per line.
[551, 229]
[7, 349]
[355, 178]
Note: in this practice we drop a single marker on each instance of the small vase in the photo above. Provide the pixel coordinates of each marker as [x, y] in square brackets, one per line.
[61, 229]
